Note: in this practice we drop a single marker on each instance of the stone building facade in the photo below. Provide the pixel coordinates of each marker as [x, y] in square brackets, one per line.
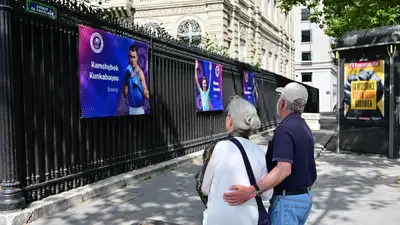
[313, 59]
[253, 31]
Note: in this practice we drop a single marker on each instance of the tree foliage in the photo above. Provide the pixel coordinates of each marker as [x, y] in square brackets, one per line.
[211, 44]
[257, 65]
[339, 16]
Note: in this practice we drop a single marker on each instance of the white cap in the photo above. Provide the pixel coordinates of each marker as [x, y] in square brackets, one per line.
[293, 91]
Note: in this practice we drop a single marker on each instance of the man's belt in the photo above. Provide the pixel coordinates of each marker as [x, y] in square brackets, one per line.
[300, 191]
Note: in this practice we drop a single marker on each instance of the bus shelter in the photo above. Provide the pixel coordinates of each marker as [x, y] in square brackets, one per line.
[368, 91]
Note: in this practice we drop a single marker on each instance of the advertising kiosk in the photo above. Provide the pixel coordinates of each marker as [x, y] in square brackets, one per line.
[368, 91]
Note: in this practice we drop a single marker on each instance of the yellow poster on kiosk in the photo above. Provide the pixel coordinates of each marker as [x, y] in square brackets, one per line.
[364, 90]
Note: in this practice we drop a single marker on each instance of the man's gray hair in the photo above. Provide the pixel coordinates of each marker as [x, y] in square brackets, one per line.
[244, 115]
[295, 107]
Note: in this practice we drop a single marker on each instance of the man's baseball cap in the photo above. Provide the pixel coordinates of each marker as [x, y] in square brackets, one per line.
[293, 91]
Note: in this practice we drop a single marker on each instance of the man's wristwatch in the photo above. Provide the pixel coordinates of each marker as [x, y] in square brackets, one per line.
[258, 190]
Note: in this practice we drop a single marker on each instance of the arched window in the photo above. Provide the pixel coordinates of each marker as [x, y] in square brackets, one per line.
[190, 32]
[153, 27]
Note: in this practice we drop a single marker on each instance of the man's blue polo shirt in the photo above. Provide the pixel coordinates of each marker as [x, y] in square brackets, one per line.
[293, 142]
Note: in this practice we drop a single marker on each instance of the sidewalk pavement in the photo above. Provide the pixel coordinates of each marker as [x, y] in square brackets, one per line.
[116, 185]
[350, 190]
[356, 189]
[170, 197]
[65, 200]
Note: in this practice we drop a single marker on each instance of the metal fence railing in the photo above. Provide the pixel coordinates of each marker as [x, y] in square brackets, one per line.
[46, 148]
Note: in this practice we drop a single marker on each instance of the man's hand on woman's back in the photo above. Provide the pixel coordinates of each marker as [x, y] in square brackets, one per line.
[239, 194]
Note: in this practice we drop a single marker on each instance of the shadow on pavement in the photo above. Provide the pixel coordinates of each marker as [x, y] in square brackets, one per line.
[354, 189]
[350, 190]
[170, 197]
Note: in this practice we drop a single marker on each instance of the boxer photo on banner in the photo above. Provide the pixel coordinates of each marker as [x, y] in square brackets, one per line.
[113, 74]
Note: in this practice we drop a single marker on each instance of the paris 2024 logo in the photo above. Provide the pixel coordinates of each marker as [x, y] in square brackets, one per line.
[96, 42]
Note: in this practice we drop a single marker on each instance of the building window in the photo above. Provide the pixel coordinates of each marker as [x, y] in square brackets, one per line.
[190, 31]
[264, 60]
[305, 14]
[270, 62]
[306, 77]
[288, 68]
[305, 36]
[242, 50]
[306, 56]
[228, 45]
[152, 27]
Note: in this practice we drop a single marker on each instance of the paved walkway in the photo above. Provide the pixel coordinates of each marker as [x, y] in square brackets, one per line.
[355, 189]
[350, 190]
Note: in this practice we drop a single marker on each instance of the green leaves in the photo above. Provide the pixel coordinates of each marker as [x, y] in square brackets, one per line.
[211, 44]
[339, 16]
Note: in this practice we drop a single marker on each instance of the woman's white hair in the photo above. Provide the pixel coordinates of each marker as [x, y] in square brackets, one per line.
[244, 114]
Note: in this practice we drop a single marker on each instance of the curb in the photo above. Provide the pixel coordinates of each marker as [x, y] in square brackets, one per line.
[317, 153]
[153, 222]
[68, 199]
[318, 148]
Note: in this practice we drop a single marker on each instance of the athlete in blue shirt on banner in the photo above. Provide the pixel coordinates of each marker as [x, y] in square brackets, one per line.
[204, 90]
[135, 86]
[251, 93]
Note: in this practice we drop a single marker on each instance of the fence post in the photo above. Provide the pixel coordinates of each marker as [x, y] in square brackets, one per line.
[11, 196]
[392, 103]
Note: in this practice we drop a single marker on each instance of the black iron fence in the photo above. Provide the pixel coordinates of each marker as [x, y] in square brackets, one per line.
[46, 148]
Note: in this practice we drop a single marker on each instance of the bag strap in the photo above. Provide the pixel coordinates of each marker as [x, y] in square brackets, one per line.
[249, 170]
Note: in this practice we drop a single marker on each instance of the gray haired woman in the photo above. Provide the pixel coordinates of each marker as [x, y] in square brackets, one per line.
[226, 167]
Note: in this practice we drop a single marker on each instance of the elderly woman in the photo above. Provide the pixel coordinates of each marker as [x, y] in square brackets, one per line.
[226, 167]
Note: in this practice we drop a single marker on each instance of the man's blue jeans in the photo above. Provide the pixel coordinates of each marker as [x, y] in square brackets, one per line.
[290, 209]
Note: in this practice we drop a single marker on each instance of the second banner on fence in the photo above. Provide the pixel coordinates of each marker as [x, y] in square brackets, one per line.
[250, 91]
[208, 77]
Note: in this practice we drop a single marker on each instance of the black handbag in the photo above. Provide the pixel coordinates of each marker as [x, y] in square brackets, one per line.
[200, 175]
[263, 217]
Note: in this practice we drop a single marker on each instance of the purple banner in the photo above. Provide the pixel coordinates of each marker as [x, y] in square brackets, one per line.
[113, 74]
[250, 91]
[208, 77]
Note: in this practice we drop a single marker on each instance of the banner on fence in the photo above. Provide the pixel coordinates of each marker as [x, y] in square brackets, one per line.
[208, 77]
[250, 91]
[113, 74]
[364, 90]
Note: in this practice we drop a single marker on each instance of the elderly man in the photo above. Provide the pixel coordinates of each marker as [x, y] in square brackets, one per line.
[290, 162]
